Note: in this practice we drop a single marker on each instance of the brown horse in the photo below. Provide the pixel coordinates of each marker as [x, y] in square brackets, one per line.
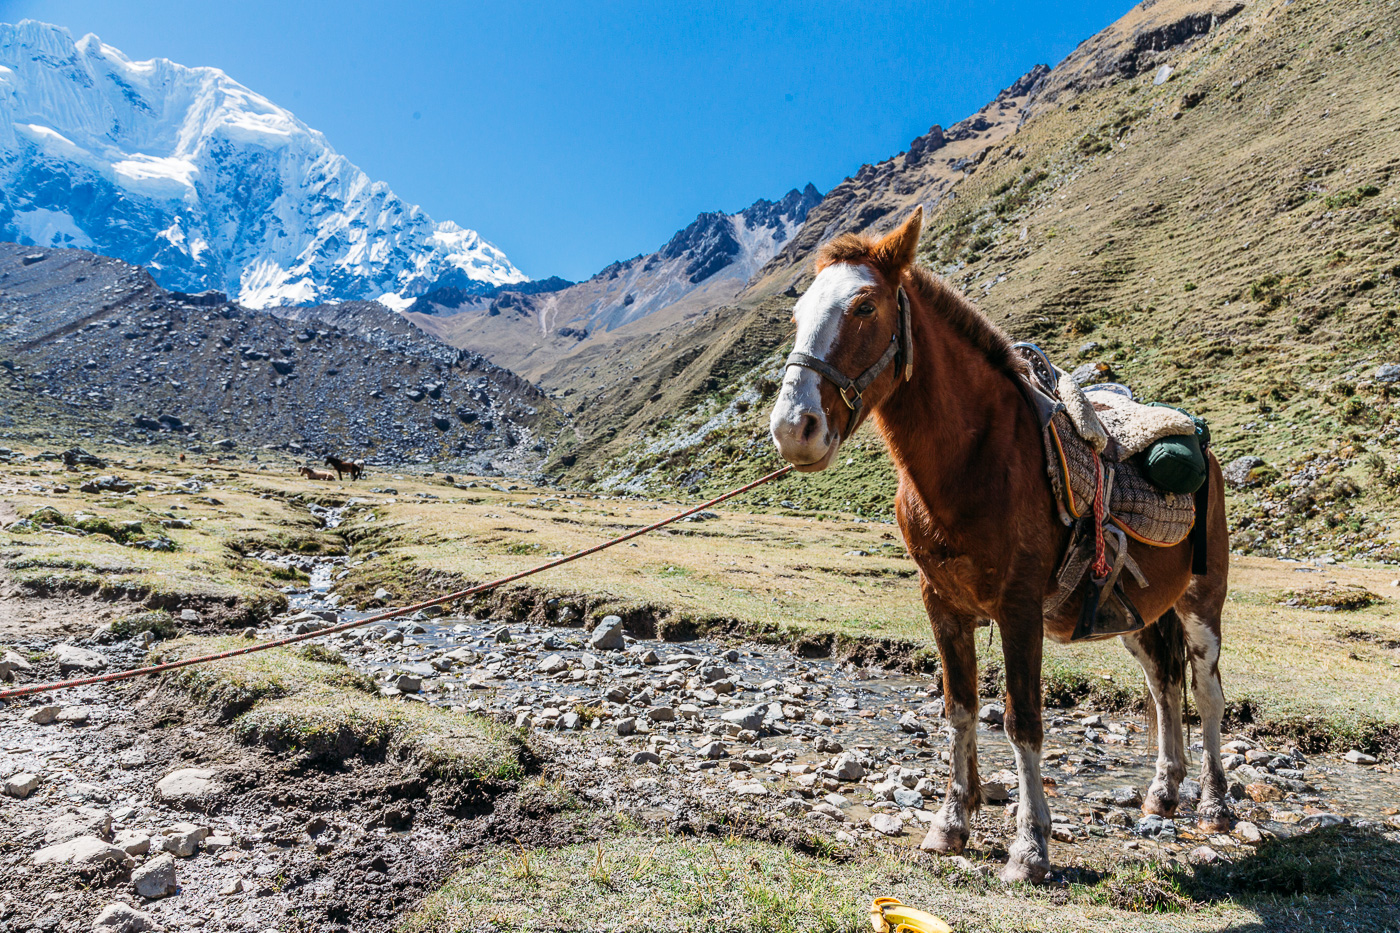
[976, 510]
[312, 473]
[344, 466]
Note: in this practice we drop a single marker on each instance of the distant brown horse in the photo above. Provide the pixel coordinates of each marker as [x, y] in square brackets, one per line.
[979, 519]
[345, 466]
[311, 473]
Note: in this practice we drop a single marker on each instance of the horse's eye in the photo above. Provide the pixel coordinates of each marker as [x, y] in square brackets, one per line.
[866, 309]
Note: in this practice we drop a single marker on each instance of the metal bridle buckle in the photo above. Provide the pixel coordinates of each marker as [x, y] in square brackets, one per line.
[849, 404]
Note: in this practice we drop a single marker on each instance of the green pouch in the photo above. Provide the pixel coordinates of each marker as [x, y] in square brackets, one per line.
[1178, 463]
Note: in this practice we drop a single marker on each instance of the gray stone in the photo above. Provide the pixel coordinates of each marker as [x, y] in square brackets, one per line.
[1126, 797]
[847, 768]
[121, 918]
[1243, 472]
[995, 792]
[85, 850]
[74, 715]
[1357, 757]
[86, 821]
[188, 787]
[661, 714]
[182, 840]
[909, 798]
[714, 751]
[156, 878]
[12, 662]
[189, 615]
[993, 714]
[72, 659]
[1088, 374]
[43, 715]
[1317, 820]
[607, 635]
[408, 683]
[553, 664]
[132, 842]
[886, 825]
[627, 725]
[21, 785]
[749, 717]
[646, 758]
[910, 723]
[1388, 372]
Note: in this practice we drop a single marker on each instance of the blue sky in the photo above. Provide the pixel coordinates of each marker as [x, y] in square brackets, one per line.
[574, 134]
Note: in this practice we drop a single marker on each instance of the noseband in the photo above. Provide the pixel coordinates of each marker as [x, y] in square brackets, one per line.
[901, 345]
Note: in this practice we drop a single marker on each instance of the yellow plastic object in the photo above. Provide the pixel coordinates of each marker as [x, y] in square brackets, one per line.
[888, 915]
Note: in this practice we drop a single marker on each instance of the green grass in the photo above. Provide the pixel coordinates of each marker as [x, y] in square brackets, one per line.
[308, 705]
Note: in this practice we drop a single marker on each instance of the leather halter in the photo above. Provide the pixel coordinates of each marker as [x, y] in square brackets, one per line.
[901, 345]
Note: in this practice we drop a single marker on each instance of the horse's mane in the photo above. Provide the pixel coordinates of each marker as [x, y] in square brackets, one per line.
[938, 295]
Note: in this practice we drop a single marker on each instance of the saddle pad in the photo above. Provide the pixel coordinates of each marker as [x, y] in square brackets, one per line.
[1136, 426]
[1144, 512]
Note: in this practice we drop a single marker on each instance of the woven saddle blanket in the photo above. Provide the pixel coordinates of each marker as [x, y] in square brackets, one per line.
[1144, 512]
[1082, 428]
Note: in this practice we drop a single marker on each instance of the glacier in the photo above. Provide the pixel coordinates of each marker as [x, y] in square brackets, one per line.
[206, 183]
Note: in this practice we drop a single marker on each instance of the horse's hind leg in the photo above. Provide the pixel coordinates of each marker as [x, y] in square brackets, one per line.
[1159, 649]
[1200, 617]
[954, 635]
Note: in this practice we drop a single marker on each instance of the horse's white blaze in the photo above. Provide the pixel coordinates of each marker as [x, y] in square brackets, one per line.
[819, 313]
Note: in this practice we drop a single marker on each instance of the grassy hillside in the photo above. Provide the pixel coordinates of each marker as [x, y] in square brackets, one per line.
[1224, 239]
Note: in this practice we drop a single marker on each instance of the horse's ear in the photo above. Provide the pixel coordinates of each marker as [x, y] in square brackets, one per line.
[895, 252]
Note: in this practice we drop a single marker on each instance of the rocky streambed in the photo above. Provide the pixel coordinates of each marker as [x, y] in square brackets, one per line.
[122, 812]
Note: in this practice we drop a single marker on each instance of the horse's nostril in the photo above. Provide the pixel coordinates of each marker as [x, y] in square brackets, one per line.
[809, 427]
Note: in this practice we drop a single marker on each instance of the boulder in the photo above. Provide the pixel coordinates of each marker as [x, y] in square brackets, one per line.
[156, 878]
[1389, 372]
[190, 788]
[607, 635]
[72, 659]
[43, 715]
[21, 785]
[1243, 472]
[82, 851]
[749, 717]
[86, 821]
[121, 918]
[11, 662]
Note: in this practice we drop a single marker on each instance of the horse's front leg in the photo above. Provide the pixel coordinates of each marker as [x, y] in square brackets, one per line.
[1022, 635]
[954, 635]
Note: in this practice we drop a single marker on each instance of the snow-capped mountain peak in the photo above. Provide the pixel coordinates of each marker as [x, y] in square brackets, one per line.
[205, 182]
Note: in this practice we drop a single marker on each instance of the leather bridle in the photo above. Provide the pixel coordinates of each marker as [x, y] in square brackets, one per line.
[901, 345]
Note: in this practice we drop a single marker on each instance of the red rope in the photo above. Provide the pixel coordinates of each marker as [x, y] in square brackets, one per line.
[450, 597]
[1102, 568]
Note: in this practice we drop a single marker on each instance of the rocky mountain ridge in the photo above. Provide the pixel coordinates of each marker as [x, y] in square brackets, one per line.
[705, 264]
[92, 345]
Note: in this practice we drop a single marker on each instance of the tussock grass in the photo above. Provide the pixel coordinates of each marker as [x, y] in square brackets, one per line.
[311, 706]
[642, 881]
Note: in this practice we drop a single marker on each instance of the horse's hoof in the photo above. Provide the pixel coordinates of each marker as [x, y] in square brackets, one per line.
[1031, 869]
[1214, 818]
[944, 841]
[1159, 805]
